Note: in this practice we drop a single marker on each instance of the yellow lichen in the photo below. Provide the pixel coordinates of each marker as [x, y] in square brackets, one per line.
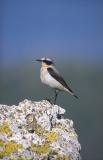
[5, 128]
[52, 136]
[1, 154]
[12, 147]
[1, 143]
[20, 158]
[41, 149]
[40, 131]
[9, 147]
[63, 157]
[66, 157]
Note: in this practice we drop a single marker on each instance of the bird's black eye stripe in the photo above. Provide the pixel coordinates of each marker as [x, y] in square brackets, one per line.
[47, 62]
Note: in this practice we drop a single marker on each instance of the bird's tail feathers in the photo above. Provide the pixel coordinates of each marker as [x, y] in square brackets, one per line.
[75, 96]
[72, 93]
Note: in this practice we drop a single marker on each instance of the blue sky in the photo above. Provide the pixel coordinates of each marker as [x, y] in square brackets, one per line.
[52, 28]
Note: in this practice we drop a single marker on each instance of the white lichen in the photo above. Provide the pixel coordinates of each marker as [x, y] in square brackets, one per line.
[37, 130]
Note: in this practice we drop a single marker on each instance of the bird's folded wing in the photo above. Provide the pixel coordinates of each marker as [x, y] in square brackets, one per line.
[56, 76]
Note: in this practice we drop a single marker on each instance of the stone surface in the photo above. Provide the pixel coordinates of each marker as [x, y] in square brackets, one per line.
[37, 131]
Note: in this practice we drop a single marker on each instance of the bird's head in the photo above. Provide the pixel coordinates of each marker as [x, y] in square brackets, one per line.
[45, 61]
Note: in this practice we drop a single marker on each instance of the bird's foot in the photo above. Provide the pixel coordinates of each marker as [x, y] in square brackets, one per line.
[50, 101]
[47, 99]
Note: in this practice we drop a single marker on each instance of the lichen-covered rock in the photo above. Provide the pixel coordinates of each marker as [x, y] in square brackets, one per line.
[37, 131]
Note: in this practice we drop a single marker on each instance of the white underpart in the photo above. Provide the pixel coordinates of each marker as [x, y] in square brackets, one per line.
[47, 79]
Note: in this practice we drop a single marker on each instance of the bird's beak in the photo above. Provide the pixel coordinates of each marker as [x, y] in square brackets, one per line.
[39, 60]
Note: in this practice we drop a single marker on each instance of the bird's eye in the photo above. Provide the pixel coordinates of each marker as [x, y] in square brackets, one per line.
[48, 62]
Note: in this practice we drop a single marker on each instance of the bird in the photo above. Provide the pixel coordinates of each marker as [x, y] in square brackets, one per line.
[50, 76]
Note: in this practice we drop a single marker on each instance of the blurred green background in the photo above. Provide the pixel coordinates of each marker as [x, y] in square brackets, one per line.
[71, 33]
[22, 81]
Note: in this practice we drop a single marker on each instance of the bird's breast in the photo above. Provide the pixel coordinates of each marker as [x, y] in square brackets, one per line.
[44, 76]
[47, 79]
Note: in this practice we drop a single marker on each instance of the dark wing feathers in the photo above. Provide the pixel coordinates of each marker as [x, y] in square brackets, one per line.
[58, 78]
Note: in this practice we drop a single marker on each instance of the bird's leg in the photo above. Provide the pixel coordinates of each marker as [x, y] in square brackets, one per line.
[56, 95]
[49, 99]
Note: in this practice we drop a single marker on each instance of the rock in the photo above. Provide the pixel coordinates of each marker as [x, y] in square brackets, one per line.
[37, 131]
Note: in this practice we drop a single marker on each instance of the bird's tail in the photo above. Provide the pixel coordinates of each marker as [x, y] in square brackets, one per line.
[75, 96]
[72, 93]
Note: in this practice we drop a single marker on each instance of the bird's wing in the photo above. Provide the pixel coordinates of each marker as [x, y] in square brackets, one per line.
[57, 76]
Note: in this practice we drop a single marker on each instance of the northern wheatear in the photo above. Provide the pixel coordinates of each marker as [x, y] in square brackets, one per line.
[50, 76]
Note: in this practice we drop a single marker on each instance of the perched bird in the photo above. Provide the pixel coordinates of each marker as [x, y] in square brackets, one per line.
[51, 77]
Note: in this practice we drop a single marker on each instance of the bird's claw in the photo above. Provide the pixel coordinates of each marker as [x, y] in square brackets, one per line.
[50, 101]
[47, 99]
